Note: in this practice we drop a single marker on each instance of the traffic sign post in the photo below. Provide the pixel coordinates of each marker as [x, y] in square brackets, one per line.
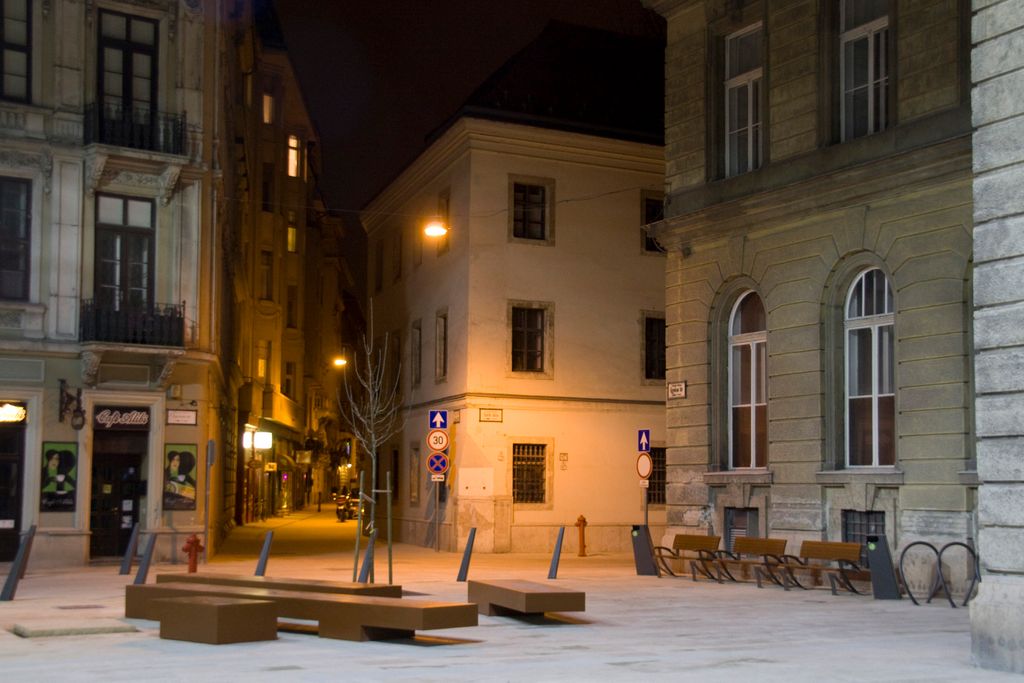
[437, 440]
[437, 463]
[644, 464]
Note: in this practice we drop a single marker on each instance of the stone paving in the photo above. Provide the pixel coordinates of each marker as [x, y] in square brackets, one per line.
[635, 627]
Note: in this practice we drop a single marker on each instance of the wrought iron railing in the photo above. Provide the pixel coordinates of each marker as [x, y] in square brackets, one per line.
[152, 131]
[157, 325]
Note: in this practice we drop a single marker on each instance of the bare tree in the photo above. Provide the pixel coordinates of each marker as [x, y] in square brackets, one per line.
[372, 402]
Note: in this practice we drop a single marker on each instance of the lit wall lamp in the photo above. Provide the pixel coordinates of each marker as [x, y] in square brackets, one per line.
[71, 403]
[263, 440]
[435, 227]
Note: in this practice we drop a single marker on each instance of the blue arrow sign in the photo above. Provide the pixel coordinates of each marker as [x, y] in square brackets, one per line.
[438, 419]
[643, 440]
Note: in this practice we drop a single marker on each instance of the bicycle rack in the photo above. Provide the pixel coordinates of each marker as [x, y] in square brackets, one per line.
[940, 579]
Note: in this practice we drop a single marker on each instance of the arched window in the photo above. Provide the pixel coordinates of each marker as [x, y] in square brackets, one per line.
[870, 372]
[748, 402]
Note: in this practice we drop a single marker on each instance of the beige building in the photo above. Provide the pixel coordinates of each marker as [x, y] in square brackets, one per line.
[536, 323]
[818, 228]
[108, 360]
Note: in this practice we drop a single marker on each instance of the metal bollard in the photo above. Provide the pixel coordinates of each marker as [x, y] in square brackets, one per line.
[581, 523]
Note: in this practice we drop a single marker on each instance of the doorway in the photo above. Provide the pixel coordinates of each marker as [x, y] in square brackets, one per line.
[12, 466]
[116, 489]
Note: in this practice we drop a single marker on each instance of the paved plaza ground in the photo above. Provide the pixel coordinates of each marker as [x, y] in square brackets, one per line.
[635, 628]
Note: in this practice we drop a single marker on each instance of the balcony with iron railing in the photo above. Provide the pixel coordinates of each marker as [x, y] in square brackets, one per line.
[151, 131]
[157, 325]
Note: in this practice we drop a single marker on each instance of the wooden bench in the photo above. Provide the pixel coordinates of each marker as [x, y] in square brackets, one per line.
[287, 584]
[838, 561]
[747, 554]
[216, 620]
[523, 597]
[349, 617]
[699, 550]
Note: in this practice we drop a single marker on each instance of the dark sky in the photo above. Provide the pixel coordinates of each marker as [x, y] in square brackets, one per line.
[379, 76]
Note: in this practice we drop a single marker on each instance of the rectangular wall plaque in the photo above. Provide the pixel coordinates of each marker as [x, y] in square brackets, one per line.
[491, 415]
[181, 417]
[677, 390]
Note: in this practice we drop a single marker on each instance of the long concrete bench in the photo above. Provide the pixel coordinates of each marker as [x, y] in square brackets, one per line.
[286, 584]
[523, 597]
[216, 620]
[349, 617]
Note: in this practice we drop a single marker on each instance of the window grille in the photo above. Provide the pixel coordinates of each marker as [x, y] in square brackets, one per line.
[740, 522]
[656, 482]
[529, 466]
[858, 525]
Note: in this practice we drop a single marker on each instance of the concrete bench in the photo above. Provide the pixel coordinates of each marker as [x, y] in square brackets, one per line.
[349, 617]
[287, 584]
[216, 620]
[523, 597]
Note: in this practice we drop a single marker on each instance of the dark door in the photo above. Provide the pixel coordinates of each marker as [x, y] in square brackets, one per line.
[115, 502]
[12, 458]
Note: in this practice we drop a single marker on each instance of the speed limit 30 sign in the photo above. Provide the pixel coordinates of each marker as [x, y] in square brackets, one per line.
[437, 439]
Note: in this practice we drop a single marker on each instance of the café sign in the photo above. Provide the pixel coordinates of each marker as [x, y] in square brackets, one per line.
[121, 417]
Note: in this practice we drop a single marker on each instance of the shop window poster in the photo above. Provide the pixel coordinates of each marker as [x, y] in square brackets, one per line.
[60, 476]
[179, 476]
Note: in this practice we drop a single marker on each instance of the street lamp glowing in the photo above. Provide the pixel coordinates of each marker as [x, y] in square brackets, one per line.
[340, 362]
[435, 227]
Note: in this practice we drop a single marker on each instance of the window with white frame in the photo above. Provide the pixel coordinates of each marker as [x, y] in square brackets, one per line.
[870, 372]
[15, 49]
[743, 71]
[125, 252]
[748, 402]
[864, 66]
[531, 210]
[527, 339]
[15, 234]
[441, 346]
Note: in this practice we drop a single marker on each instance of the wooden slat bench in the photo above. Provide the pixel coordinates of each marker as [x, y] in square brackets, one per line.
[216, 620]
[747, 553]
[698, 550]
[523, 597]
[286, 584]
[349, 617]
[838, 561]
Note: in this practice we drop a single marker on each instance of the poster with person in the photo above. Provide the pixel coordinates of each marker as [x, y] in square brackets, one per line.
[180, 477]
[60, 474]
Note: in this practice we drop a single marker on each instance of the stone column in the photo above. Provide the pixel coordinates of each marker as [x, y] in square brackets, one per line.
[997, 75]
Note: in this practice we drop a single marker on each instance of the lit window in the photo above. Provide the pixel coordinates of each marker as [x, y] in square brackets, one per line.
[268, 108]
[293, 156]
[870, 372]
[293, 239]
[748, 403]
[743, 101]
[864, 66]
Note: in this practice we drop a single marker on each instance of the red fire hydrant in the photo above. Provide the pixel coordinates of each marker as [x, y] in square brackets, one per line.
[582, 524]
[193, 547]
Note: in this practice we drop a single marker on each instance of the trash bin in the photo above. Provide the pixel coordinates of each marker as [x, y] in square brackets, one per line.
[643, 551]
[883, 577]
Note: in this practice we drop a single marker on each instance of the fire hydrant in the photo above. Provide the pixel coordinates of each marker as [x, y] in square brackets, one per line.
[582, 524]
[193, 547]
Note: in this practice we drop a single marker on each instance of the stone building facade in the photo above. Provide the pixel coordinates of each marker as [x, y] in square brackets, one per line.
[819, 235]
[997, 614]
[108, 359]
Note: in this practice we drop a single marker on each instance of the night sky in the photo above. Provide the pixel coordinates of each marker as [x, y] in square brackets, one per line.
[378, 76]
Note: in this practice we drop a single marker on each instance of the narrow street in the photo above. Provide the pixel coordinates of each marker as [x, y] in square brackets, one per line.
[302, 533]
